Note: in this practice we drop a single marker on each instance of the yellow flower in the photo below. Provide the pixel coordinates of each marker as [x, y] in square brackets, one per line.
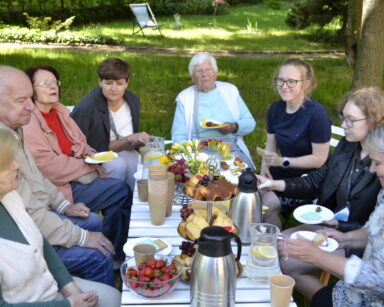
[176, 146]
[164, 160]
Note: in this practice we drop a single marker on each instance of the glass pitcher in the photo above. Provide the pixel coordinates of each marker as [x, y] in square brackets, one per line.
[155, 149]
[263, 261]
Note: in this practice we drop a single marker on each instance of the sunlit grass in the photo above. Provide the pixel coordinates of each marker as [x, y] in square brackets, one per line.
[230, 32]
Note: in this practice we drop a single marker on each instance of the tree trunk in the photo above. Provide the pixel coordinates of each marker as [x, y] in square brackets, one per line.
[353, 30]
[370, 60]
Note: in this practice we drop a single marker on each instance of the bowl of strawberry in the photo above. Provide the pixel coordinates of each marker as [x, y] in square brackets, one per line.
[153, 278]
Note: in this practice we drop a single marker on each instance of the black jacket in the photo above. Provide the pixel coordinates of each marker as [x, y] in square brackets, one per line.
[92, 116]
[323, 183]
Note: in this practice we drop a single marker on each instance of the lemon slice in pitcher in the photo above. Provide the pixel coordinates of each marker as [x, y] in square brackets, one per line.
[265, 251]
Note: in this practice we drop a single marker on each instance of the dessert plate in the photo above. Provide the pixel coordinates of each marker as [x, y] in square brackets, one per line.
[131, 243]
[211, 124]
[101, 157]
[307, 214]
[309, 235]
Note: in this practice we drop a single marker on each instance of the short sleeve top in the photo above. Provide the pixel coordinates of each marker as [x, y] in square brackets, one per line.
[295, 133]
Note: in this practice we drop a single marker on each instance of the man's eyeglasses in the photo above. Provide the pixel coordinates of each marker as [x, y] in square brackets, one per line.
[48, 83]
[291, 83]
[349, 122]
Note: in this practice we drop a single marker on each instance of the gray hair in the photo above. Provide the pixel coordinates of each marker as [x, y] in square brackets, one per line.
[375, 139]
[198, 59]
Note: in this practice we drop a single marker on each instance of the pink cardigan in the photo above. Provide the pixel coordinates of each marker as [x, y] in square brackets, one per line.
[42, 142]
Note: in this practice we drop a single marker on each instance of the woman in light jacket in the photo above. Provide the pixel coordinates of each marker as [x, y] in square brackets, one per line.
[212, 100]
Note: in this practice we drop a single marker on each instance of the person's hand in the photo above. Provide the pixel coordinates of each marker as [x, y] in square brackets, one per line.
[339, 236]
[331, 223]
[228, 128]
[77, 210]
[272, 159]
[138, 139]
[300, 249]
[85, 299]
[264, 171]
[264, 183]
[98, 241]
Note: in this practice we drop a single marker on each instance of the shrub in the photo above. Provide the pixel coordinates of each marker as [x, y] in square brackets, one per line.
[51, 36]
[46, 23]
[319, 12]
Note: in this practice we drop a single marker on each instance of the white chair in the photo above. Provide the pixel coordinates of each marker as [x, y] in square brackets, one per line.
[337, 134]
[144, 18]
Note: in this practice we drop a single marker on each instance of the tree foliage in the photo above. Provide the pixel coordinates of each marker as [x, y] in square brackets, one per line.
[318, 12]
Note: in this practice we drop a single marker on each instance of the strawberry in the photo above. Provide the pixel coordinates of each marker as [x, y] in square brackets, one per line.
[141, 266]
[133, 285]
[151, 263]
[199, 177]
[148, 271]
[160, 264]
[144, 278]
[132, 272]
[165, 277]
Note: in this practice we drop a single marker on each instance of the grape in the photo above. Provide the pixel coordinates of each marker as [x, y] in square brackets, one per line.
[185, 212]
[187, 248]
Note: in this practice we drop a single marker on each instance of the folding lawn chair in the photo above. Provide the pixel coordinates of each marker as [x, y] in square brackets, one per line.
[144, 18]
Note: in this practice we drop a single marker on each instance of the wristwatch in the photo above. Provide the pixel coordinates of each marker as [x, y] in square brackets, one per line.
[285, 162]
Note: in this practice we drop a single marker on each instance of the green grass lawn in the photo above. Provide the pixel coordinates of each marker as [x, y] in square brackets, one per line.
[158, 79]
[230, 32]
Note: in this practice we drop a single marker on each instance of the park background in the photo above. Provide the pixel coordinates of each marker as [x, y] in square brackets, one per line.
[342, 39]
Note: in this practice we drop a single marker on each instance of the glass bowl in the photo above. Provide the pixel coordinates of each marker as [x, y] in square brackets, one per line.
[151, 288]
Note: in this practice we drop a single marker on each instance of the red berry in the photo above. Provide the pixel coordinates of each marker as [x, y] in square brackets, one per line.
[160, 264]
[165, 277]
[148, 271]
[151, 263]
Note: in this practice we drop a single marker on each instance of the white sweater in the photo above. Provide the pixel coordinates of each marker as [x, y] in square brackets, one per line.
[24, 275]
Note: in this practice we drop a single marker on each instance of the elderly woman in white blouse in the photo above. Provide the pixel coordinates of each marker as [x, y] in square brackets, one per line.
[212, 100]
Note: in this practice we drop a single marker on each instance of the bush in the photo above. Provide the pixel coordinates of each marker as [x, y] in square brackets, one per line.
[274, 4]
[46, 23]
[67, 37]
[318, 12]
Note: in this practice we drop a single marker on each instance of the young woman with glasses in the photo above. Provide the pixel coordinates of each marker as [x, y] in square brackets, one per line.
[299, 131]
[343, 183]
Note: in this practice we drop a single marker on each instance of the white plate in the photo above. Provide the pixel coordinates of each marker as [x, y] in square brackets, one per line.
[309, 235]
[131, 243]
[92, 161]
[324, 215]
[220, 125]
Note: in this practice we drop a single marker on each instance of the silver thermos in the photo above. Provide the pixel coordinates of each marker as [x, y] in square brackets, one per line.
[247, 207]
[213, 273]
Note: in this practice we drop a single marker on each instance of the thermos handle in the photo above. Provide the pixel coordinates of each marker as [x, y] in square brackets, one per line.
[238, 241]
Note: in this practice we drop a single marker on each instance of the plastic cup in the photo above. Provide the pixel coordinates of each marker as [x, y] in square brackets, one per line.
[143, 150]
[281, 287]
[142, 189]
[171, 193]
[143, 253]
